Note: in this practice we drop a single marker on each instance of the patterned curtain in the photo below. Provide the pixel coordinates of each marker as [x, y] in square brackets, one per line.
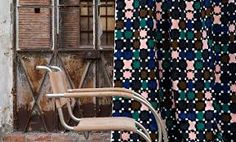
[181, 56]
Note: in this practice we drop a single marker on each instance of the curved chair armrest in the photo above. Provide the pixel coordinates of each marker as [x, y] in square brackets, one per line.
[122, 90]
[115, 89]
[110, 94]
[95, 89]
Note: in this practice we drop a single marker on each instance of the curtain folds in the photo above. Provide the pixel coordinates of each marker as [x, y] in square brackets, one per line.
[181, 56]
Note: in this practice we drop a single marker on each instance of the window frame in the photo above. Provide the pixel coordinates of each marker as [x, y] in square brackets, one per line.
[54, 8]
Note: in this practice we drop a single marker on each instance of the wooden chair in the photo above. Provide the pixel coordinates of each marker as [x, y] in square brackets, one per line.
[61, 95]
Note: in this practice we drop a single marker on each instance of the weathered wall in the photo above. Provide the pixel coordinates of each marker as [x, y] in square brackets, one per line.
[6, 74]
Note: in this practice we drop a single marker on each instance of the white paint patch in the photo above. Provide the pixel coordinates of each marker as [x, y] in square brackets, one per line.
[6, 72]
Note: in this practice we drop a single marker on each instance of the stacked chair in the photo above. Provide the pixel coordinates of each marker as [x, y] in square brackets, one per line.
[62, 98]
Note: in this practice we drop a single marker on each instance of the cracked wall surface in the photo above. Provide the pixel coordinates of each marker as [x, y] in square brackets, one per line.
[6, 72]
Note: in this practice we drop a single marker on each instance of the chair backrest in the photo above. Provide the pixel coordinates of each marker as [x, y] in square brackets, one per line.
[59, 85]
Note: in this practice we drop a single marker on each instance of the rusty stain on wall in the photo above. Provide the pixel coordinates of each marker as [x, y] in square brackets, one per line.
[29, 62]
[6, 33]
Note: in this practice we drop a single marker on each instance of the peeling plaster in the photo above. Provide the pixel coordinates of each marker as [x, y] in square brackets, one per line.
[6, 72]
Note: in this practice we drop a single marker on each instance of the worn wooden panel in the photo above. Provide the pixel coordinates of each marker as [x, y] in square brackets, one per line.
[30, 106]
[24, 98]
[47, 106]
[88, 104]
[29, 61]
[106, 67]
[44, 103]
[105, 74]
[34, 28]
[36, 122]
[76, 67]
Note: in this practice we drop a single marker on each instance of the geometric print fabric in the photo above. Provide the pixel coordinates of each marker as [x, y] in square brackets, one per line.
[181, 56]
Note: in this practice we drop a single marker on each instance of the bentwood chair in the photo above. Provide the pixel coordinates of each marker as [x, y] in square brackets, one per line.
[62, 96]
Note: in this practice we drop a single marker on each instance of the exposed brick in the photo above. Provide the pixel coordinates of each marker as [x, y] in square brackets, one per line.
[96, 137]
[32, 137]
[70, 27]
[34, 28]
[55, 137]
[62, 138]
[14, 137]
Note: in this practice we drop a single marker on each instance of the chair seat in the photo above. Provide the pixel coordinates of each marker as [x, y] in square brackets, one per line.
[106, 124]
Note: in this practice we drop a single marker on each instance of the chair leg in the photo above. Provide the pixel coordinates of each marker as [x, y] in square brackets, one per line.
[143, 136]
[157, 117]
[71, 113]
[86, 134]
[61, 117]
[142, 128]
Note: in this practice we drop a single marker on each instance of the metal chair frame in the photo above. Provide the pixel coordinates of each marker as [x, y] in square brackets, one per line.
[105, 92]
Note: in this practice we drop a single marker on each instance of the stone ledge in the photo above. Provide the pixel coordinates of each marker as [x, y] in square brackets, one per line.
[54, 137]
